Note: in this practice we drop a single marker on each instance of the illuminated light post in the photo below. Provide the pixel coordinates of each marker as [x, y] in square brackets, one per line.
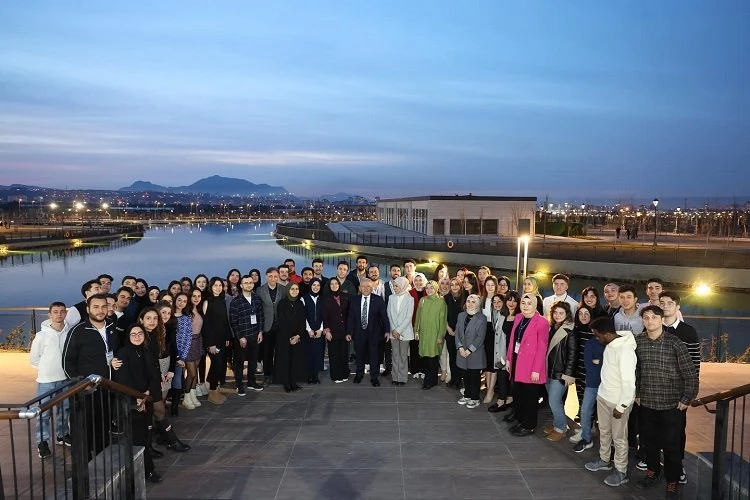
[656, 218]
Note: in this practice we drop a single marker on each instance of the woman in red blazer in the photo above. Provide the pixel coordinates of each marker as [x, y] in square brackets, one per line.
[527, 365]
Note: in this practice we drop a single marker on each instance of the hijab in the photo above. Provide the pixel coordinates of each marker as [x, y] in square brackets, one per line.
[477, 306]
[335, 293]
[534, 299]
[403, 284]
[424, 278]
[436, 287]
[289, 294]
[309, 287]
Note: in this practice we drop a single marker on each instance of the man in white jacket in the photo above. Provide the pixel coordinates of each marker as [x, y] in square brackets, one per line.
[46, 357]
[615, 398]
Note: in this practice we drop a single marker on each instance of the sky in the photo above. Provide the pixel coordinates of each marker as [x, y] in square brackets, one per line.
[388, 98]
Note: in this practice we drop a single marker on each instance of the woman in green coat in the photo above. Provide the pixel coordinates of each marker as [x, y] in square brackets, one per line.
[430, 327]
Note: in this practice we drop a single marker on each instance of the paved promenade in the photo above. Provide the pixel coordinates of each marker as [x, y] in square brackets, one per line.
[356, 441]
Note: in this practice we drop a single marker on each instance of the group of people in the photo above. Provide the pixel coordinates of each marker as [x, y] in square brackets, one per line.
[634, 367]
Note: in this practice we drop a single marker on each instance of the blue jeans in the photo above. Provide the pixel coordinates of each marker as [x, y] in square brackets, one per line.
[62, 413]
[557, 390]
[587, 412]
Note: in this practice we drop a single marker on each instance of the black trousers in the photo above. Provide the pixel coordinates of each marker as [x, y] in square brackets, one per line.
[450, 343]
[634, 427]
[338, 359]
[217, 368]
[503, 384]
[366, 346]
[472, 379]
[269, 347]
[202, 369]
[248, 353]
[431, 366]
[386, 355]
[526, 403]
[415, 362]
[141, 423]
[662, 430]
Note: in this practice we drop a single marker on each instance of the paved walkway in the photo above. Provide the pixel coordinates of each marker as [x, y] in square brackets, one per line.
[356, 441]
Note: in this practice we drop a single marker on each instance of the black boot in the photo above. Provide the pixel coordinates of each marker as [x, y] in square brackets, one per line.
[149, 442]
[173, 442]
[174, 407]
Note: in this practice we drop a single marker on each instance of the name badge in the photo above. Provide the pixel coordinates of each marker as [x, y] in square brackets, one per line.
[253, 319]
[110, 357]
[517, 348]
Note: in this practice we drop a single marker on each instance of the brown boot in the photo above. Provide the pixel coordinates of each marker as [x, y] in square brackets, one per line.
[215, 398]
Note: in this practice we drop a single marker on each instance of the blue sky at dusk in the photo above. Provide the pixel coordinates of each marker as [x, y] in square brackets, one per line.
[381, 98]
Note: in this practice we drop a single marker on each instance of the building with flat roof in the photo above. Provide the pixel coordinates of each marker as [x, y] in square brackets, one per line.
[460, 215]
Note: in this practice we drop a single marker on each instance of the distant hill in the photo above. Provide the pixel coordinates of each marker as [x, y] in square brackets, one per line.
[338, 196]
[215, 184]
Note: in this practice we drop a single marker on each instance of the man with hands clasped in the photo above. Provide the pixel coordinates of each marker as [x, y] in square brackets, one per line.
[246, 321]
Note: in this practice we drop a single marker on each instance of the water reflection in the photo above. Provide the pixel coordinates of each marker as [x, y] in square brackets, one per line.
[37, 256]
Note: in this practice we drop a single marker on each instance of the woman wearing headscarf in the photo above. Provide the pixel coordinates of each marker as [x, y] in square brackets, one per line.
[531, 286]
[527, 365]
[335, 312]
[430, 328]
[400, 312]
[289, 363]
[455, 305]
[417, 292]
[313, 341]
[471, 327]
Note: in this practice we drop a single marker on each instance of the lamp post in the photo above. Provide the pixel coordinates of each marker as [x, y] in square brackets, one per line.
[656, 218]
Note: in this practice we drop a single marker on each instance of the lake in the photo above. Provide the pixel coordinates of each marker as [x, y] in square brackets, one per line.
[36, 278]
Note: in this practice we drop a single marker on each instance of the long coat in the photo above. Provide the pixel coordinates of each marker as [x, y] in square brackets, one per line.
[471, 337]
[532, 353]
[290, 358]
[431, 323]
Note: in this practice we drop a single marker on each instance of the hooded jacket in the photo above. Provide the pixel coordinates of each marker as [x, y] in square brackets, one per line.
[618, 371]
[47, 353]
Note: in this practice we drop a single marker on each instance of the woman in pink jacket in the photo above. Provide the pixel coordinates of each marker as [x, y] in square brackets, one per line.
[527, 364]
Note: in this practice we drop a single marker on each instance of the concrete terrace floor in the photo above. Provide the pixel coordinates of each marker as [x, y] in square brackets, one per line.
[345, 441]
[356, 441]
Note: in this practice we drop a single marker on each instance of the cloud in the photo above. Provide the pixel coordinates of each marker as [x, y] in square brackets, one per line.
[294, 158]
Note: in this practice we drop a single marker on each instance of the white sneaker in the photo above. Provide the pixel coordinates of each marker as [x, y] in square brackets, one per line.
[340, 381]
[576, 437]
[194, 398]
[473, 403]
[416, 375]
[421, 375]
[464, 401]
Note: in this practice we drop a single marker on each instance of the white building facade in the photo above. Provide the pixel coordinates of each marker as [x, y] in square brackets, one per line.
[460, 215]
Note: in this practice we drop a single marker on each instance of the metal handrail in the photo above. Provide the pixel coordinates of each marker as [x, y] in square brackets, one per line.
[729, 394]
[31, 412]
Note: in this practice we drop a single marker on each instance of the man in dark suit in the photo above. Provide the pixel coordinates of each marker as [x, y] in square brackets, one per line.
[367, 325]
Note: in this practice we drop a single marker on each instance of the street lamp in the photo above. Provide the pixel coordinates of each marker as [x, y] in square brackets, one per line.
[656, 218]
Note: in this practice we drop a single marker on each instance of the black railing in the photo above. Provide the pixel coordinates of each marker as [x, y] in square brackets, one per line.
[596, 251]
[97, 460]
[730, 473]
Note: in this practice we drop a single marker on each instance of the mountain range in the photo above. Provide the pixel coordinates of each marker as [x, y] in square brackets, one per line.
[215, 184]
